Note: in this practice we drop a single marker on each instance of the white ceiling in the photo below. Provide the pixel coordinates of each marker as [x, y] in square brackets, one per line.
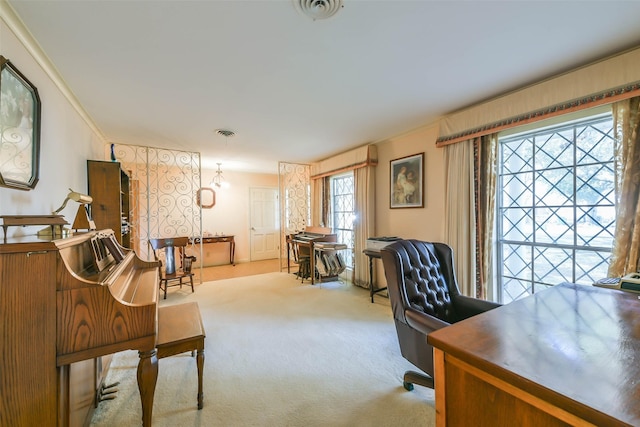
[168, 73]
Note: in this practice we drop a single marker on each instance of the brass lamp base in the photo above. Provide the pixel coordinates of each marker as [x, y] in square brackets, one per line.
[55, 232]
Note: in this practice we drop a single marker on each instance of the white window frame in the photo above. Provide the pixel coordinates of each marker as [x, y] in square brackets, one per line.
[580, 272]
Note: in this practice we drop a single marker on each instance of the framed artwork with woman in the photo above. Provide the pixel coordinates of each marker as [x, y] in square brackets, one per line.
[407, 182]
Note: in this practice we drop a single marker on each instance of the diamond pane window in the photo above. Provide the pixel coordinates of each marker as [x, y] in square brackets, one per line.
[556, 206]
[516, 156]
[518, 224]
[519, 190]
[343, 203]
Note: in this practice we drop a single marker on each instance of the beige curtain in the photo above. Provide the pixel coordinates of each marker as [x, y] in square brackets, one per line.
[317, 202]
[364, 179]
[460, 218]
[626, 122]
[486, 155]
[320, 202]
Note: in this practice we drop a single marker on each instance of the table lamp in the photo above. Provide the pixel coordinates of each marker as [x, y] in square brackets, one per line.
[82, 220]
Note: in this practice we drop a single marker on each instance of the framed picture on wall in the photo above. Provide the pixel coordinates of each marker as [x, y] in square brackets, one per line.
[407, 182]
[20, 124]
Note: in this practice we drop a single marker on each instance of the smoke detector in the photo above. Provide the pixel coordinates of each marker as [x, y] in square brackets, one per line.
[318, 9]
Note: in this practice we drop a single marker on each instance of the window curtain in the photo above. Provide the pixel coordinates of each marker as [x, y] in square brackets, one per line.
[321, 189]
[486, 163]
[321, 209]
[460, 217]
[317, 191]
[626, 123]
[327, 209]
[364, 227]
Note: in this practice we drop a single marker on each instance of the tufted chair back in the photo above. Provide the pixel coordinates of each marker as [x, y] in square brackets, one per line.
[424, 283]
[423, 272]
[424, 297]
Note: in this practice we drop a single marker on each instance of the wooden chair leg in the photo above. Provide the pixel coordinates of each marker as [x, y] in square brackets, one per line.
[200, 364]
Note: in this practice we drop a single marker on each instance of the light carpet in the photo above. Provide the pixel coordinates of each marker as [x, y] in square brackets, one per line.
[279, 353]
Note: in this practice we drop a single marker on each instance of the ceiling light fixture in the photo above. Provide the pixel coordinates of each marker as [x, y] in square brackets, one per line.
[218, 180]
[318, 9]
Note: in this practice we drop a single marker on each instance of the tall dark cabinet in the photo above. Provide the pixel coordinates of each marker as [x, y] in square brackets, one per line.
[110, 187]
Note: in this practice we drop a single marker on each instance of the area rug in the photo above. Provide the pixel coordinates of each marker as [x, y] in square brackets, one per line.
[279, 353]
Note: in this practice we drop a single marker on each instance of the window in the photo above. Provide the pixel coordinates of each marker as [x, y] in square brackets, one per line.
[342, 206]
[555, 206]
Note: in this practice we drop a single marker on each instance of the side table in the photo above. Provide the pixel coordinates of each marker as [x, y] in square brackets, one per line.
[219, 239]
[372, 255]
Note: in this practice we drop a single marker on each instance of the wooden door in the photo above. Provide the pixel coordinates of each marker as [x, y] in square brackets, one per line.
[264, 233]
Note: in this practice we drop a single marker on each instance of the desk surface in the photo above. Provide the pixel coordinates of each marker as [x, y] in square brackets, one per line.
[577, 346]
[214, 239]
[219, 239]
[372, 254]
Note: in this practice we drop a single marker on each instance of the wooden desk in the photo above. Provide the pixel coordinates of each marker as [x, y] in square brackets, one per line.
[372, 254]
[566, 355]
[220, 239]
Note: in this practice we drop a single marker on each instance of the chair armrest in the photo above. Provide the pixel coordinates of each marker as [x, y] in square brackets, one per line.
[423, 322]
[466, 306]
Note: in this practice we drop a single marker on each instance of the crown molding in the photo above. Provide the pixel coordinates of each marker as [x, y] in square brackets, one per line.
[19, 29]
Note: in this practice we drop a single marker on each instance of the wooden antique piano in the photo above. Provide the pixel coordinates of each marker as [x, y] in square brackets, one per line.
[306, 241]
[64, 304]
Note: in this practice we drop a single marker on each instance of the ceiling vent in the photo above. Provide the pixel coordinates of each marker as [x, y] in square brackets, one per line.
[318, 9]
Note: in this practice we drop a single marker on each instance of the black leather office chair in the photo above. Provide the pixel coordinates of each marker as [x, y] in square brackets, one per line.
[424, 297]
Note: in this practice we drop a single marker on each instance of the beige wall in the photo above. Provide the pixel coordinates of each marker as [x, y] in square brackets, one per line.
[230, 215]
[416, 223]
[421, 223]
[67, 141]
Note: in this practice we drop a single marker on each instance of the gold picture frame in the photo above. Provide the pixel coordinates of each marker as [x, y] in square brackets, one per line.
[407, 182]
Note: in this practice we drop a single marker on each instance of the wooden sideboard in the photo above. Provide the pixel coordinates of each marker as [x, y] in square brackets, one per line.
[565, 356]
[230, 239]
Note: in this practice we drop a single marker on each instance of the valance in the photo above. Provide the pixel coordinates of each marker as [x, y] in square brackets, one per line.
[603, 82]
[366, 155]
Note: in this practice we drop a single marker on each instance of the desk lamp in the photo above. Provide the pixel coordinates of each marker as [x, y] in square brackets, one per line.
[83, 218]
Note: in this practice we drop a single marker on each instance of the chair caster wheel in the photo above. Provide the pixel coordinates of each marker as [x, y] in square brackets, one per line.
[407, 386]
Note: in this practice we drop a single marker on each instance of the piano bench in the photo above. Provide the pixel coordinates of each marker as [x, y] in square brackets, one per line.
[180, 330]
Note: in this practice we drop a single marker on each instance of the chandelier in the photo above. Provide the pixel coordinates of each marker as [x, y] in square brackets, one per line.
[218, 179]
